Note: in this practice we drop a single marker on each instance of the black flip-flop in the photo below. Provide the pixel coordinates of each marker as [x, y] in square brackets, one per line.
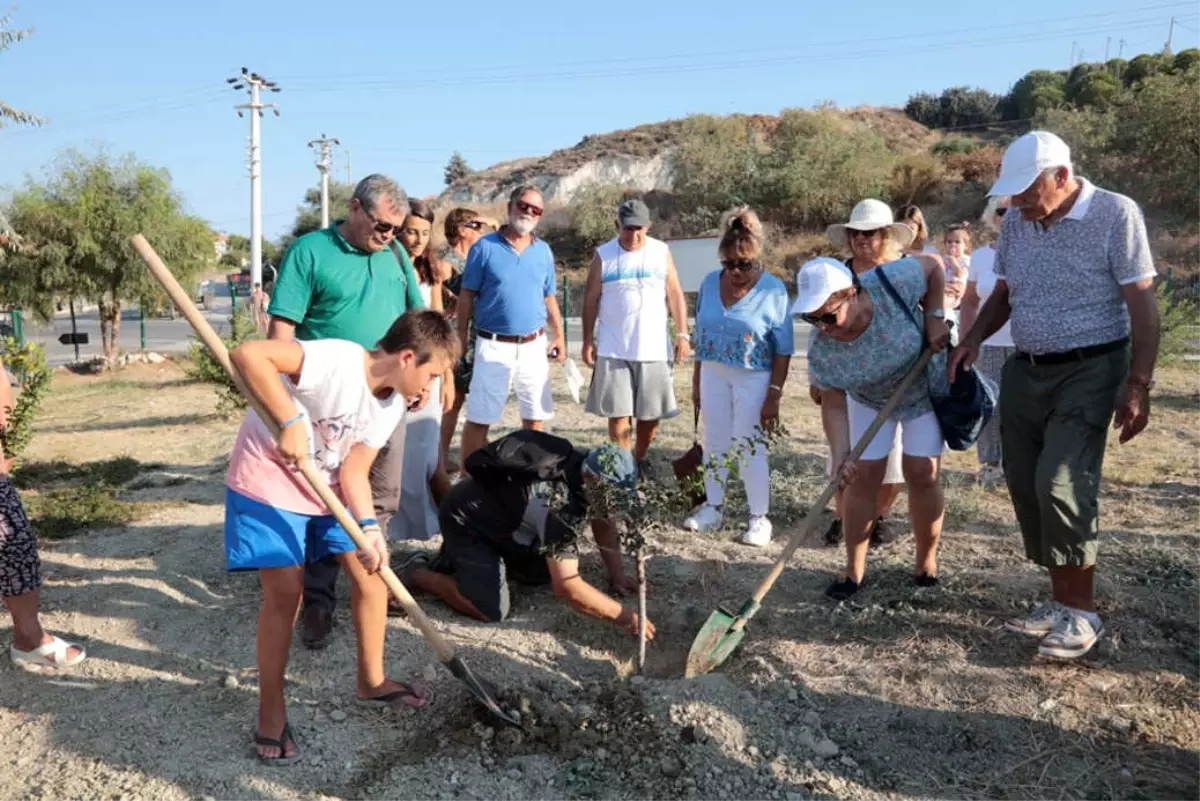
[285, 736]
[842, 589]
[926, 580]
[396, 699]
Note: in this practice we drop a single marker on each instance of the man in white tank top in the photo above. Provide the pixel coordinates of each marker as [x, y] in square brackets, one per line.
[631, 287]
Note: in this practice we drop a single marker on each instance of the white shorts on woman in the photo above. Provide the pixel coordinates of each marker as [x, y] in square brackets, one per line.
[920, 436]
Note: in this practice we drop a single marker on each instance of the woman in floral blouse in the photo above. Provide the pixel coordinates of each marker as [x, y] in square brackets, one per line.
[743, 346]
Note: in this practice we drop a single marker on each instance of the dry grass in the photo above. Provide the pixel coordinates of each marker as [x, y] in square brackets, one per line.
[923, 688]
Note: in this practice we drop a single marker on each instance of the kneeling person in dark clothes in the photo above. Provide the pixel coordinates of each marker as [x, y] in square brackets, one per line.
[497, 524]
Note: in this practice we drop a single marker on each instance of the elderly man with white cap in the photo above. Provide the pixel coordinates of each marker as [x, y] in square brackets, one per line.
[1075, 277]
[872, 328]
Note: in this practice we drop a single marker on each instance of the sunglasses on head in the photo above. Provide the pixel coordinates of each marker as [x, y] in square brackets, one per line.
[380, 226]
[529, 208]
[740, 266]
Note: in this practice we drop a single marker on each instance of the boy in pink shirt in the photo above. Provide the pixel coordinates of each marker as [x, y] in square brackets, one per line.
[337, 404]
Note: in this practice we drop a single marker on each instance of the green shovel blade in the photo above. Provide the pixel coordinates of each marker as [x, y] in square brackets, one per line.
[713, 645]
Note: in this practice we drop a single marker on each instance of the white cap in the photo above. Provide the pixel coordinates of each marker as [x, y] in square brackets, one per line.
[1026, 159]
[817, 280]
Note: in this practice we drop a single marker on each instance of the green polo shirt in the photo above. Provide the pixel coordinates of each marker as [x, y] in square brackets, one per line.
[332, 290]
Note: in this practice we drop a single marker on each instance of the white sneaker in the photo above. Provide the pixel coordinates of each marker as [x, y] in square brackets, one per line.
[1073, 635]
[706, 518]
[1040, 622]
[758, 533]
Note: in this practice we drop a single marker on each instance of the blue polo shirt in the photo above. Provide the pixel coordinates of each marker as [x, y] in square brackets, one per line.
[510, 288]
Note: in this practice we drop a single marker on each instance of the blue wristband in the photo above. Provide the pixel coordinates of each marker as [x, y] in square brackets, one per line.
[367, 521]
[295, 419]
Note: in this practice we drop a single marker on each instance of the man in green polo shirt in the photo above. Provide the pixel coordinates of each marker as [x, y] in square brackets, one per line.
[349, 281]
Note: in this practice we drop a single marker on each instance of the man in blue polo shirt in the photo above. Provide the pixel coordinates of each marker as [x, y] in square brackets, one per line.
[508, 287]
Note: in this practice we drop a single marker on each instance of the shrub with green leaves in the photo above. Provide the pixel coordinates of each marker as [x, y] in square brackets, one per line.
[28, 365]
[204, 367]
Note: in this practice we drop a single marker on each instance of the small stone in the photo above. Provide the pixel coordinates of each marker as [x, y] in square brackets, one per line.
[849, 762]
[454, 778]
[1119, 724]
[637, 680]
[1047, 705]
[337, 716]
[811, 719]
[515, 774]
[752, 751]
[826, 748]
[230, 682]
[1125, 776]
[671, 767]
[792, 695]
[601, 754]
[430, 672]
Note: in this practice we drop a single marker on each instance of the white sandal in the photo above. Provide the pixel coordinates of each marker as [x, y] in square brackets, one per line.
[52, 654]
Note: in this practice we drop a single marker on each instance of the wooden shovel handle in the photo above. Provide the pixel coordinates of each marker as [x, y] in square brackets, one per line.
[831, 489]
[445, 651]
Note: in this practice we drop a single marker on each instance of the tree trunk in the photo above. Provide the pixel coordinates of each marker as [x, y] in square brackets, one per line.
[110, 329]
[641, 579]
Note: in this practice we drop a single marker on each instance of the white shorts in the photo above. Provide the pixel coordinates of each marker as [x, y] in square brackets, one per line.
[501, 367]
[895, 470]
[921, 436]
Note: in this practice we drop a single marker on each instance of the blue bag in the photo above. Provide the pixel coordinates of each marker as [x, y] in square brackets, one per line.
[969, 407]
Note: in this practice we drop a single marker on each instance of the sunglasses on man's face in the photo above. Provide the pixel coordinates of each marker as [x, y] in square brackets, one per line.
[529, 208]
[740, 266]
[1000, 212]
[380, 226]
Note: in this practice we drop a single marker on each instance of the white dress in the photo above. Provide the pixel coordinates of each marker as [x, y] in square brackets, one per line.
[417, 519]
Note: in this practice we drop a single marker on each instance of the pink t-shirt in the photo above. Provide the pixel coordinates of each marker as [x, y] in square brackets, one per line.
[339, 410]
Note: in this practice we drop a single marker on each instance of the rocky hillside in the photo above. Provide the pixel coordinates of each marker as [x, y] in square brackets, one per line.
[639, 158]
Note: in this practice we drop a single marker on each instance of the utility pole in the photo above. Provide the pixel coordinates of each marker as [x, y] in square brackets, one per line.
[1120, 52]
[324, 162]
[349, 179]
[1170, 36]
[255, 84]
[1073, 45]
[1107, 43]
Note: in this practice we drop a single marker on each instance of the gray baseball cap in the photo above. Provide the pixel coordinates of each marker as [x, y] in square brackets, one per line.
[633, 214]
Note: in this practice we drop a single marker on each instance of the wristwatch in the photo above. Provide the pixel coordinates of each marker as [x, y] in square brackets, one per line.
[1137, 381]
[939, 313]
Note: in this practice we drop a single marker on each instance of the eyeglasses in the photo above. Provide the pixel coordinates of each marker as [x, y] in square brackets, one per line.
[474, 225]
[529, 208]
[854, 232]
[827, 319]
[380, 226]
[741, 266]
[1000, 212]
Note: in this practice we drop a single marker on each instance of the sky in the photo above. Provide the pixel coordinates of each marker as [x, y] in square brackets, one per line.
[402, 86]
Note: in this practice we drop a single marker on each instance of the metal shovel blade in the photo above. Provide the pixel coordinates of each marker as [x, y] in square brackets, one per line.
[482, 694]
[713, 645]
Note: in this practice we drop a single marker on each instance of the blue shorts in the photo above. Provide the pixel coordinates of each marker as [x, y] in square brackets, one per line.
[259, 536]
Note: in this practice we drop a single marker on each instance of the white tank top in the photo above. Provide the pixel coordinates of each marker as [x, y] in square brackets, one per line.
[632, 323]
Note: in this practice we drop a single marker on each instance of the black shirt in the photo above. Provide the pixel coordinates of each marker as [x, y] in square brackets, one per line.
[504, 496]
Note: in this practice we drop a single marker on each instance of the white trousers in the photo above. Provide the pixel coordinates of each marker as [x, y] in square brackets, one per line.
[731, 400]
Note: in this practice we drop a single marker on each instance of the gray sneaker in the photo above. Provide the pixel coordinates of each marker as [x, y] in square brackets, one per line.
[1040, 622]
[1072, 637]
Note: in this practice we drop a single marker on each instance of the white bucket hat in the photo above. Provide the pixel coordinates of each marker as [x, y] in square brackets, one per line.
[870, 215]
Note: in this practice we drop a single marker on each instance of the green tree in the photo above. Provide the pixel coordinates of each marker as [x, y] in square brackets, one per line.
[714, 166]
[819, 165]
[1186, 59]
[593, 213]
[1037, 91]
[1159, 129]
[1145, 65]
[9, 36]
[308, 215]
[456, 169]
[1095, 89]
[75, 228]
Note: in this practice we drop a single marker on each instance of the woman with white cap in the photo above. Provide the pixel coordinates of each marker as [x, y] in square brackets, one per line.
[872, 238]
[996, 349]
[743, 346]
[869, 339]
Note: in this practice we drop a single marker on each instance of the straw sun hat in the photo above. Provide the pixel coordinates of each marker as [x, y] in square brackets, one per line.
[870, 215]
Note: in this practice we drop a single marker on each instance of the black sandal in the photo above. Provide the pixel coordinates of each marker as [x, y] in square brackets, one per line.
[926, 580]
[285, 737]
[841, 589]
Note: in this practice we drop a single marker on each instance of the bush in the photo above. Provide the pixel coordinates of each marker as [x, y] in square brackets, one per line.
[28, 365]
[958, 106]
[915, 178]
[1037, 92]
[715, 164]
[204, 367]
[593, 213]
[954, 145]
[979, 166]
[1178, 316]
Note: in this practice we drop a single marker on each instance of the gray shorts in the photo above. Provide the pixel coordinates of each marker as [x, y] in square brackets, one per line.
[643, 390]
